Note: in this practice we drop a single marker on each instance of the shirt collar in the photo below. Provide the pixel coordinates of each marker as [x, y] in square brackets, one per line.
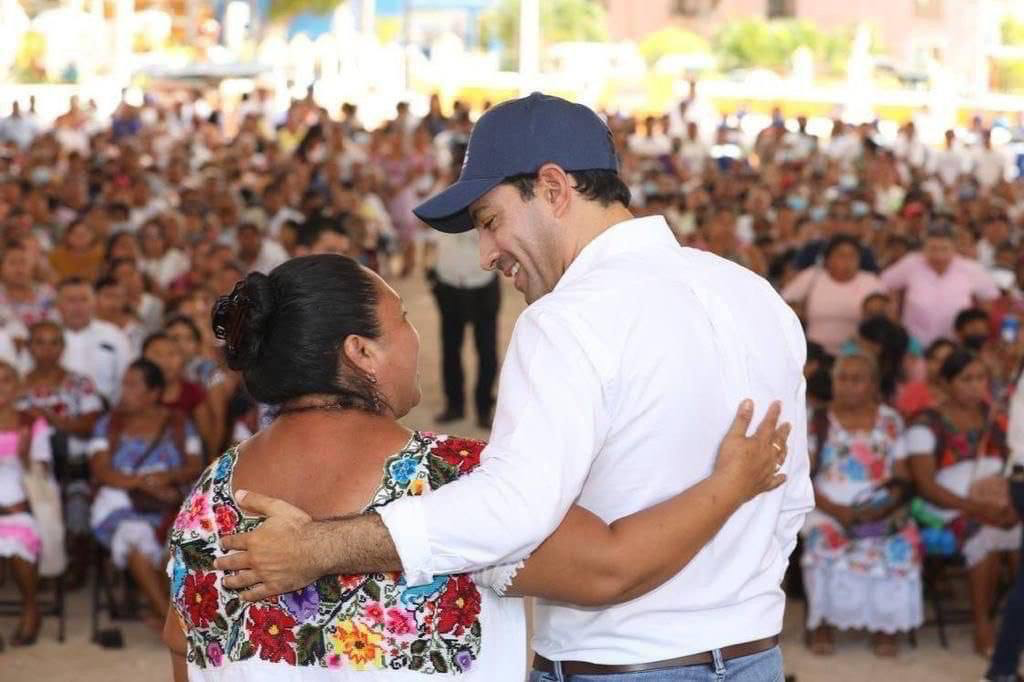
[636, 234]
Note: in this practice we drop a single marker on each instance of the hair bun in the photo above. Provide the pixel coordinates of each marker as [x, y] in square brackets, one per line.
[241, 319]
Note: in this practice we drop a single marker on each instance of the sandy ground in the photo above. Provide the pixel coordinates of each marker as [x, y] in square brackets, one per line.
[77, 660]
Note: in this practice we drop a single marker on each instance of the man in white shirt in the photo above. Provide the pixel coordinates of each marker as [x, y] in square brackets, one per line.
[92, 347]
[653, 143]
[951, 162]
[18, 128]
[990, 164]
[465, 295]
[631, 351]
[257, 252]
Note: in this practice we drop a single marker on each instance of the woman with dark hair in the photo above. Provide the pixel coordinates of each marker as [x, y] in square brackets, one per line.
[829, 297]
[328, 344]
[20, 295]
[887, 342]
[142, 453]
[954, 449]
[861, 562]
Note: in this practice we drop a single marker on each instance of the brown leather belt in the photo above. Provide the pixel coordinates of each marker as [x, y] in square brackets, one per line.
[543, 665]
[15, 509]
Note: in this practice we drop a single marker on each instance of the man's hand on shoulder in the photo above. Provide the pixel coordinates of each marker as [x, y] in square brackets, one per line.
[275, 558]
[753, 464]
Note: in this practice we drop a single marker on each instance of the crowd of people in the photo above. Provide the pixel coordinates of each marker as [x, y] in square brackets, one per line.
[904, 261]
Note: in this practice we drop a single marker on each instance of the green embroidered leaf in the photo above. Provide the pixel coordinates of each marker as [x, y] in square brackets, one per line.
[439, 663]
[310, 643]
[418, 647]
[416, 663]
[220, 622]
[372, 590]
[328, 589]
[246, 651]
[206, 484]
[197, 554]
[200, 659]
[440, 472]
[475, 628]
[231, 608]
[236, 630]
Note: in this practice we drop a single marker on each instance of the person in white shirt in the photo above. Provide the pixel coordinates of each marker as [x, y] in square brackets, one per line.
[693, 152]
[652, 143]
[950, 162]
[257, 252]
[908, 147]
[1007, 654]
[92, 347]
[990, 164]
[18, 128]
[630, 346]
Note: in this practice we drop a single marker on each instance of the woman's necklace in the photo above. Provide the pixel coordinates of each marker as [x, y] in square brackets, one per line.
[333, 406]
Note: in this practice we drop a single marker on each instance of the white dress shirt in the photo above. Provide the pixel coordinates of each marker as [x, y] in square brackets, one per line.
[616, 391]
[101, 352]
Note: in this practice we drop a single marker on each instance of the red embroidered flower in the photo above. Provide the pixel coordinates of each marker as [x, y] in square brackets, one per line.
[460, 604]
[461, 453]
[351, 582]
[200, 598]
[270, 630]
[374, 613]
[227, 519]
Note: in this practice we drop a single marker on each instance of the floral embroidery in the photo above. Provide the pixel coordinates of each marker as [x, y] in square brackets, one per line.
[358, 622]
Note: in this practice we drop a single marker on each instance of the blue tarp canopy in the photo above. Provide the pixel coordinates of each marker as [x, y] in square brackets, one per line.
[395, 7]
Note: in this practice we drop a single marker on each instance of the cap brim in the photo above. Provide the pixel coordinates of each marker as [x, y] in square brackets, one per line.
[449, 210]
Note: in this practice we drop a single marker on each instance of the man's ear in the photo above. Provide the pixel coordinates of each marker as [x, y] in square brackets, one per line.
[555, 188]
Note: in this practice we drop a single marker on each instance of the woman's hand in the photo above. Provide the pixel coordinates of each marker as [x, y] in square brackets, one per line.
[753, 464]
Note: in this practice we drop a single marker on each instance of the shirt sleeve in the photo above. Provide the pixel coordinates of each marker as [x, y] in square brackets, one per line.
[1015, 431]
[895, 276]
[551, 420]
[982, 285]
[99, 442]
[800, 288]
[920, 440]
[193, 444]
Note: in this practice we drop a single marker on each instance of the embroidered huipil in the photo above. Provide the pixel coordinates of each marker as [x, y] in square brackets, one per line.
[372, 626]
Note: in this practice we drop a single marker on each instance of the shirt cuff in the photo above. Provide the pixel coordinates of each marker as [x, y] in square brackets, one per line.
[407, 525]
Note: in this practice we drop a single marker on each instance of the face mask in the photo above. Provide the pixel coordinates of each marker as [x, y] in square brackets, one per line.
[975, 341]
[818, 213]
[859, 209]
[848, 181]
[317, 155]
[650, 188]
[797, 203]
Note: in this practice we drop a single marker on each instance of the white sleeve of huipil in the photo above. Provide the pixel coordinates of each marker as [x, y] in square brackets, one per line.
[798, 491]
[551, 420]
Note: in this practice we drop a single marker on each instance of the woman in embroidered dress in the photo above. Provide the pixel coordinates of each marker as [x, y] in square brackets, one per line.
[26, 300]
[327, 342]
[146, 447]
[70, 403]
[872, 581]
[22, 440]
[956, 445]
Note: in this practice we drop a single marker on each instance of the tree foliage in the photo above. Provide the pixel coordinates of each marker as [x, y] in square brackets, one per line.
[671, 41]
[751, 43]
[560, 21]
[285, 9]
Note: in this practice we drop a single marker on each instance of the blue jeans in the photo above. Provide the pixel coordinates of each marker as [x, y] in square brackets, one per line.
[1011, 635]
[763, 667]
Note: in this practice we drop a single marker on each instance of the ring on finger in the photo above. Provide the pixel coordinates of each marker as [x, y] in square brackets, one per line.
[778, 447]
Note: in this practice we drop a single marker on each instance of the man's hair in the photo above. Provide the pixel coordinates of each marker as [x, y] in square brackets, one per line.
[73, 282]
[967, 316]
[603, 186]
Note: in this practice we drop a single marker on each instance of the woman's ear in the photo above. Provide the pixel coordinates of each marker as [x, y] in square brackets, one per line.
[361, 352]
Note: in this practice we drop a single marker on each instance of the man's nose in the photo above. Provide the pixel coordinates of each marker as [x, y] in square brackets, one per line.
[488, 255]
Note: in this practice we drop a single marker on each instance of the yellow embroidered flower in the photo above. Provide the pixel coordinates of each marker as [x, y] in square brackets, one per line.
[417, 487]
[359, 644]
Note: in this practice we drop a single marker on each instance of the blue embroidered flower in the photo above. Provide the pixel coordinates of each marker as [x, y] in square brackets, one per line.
[464, 660]
[854, 470]
[302, 603]
[178, 573]
[403, 470]
[897, 551]
[223, 467]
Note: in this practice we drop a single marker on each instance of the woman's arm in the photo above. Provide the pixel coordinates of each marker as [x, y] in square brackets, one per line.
[105, 474]
[591, 563]
[174, 638]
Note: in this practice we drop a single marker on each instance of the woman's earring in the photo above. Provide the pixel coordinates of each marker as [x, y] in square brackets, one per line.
[373, 377]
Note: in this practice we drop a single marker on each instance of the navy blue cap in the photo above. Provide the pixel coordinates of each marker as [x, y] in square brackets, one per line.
[515, 138]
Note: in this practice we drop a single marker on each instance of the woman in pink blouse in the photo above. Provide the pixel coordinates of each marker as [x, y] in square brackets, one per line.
[830, 295]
